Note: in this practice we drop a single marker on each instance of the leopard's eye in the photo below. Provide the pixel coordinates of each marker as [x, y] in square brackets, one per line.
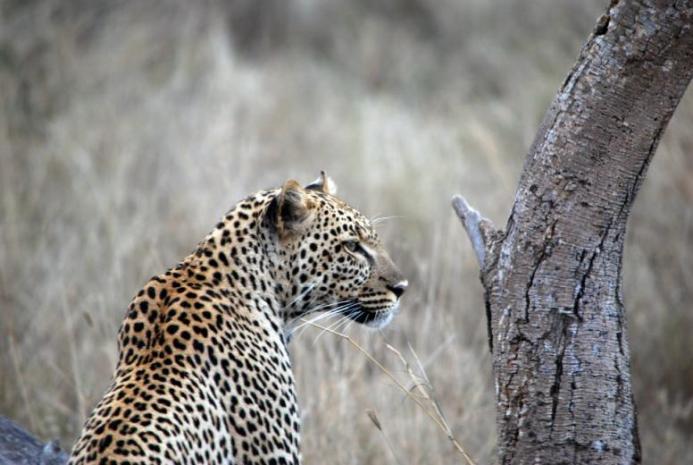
[352, 245]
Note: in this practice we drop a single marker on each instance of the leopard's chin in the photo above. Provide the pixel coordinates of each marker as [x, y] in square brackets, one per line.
[373, 318]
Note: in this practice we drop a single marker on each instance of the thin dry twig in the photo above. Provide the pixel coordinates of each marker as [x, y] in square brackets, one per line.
[437, 411]
[435, 414]
[376, 421]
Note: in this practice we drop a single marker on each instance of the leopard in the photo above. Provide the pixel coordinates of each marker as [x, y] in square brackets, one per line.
[203, 374]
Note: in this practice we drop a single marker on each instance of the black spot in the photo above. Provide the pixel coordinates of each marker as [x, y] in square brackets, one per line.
[198, 346]
[105, 442]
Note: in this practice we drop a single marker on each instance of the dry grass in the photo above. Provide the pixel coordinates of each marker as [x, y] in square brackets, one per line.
[128, 128]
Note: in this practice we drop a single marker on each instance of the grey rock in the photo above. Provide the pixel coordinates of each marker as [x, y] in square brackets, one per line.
[19, 447]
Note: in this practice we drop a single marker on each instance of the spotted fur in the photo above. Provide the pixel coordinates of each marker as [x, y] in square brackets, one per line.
[203, 374]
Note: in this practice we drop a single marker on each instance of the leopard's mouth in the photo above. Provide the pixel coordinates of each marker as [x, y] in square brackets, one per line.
[373, 317]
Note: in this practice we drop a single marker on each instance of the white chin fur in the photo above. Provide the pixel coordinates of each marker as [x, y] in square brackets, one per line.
[384, 319]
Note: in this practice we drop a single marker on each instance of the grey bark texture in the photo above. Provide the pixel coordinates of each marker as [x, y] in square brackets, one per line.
[19, 447]
[552, 278]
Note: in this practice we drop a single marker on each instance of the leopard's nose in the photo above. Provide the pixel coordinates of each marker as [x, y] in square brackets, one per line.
[399, 288]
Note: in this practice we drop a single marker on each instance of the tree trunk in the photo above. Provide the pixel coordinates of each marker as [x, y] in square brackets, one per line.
[552, 279]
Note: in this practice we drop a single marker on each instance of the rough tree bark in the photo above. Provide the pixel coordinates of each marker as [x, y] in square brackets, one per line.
[552, 278]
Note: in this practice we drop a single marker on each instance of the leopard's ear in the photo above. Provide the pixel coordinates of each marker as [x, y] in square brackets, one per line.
[291, 211]
[324, 184]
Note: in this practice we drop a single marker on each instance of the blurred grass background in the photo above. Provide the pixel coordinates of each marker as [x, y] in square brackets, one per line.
[128, 128]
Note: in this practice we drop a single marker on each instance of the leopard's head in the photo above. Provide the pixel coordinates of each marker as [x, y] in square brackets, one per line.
[329, 257]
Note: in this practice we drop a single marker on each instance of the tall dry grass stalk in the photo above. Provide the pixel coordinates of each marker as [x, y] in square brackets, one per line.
[428, 404]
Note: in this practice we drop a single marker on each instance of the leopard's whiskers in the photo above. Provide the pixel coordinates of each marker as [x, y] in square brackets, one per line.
[380, 219]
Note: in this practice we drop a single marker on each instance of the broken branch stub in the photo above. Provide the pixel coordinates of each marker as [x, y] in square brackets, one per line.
[480, 230]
